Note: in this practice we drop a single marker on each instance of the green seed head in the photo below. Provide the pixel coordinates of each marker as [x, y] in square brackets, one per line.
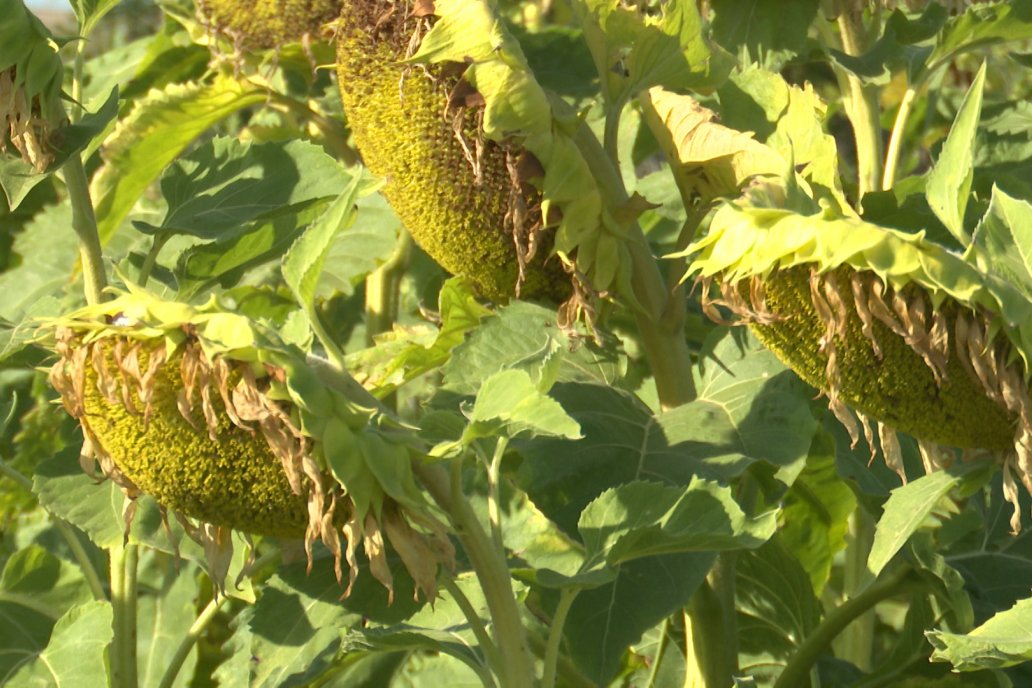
[265, 24]
[467, 200]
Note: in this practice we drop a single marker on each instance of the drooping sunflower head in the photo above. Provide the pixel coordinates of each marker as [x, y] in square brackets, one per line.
[911, 336]
[203, 410]
[30, 89]
[267, 24]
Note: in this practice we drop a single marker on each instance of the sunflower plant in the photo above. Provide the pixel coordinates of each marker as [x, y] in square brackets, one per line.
[481, 342]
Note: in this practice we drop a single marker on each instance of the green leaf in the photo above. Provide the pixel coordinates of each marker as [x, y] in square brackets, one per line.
[643, 519]
[36, 589]
[949, 182]
[525, 336]
[905, 45]
[48, 259]
[776, 609]
[511, 398]
[163, 616]
[1003, 240]
[228, 259]
[68, 493]
[226, 183]
[954, 608]
[770, 32]
[1002, 641]
[907, 509]
[603, 622]
[75, 655]
[368, 243]
[159, 127]
[633, 52]
[303, 263]
[815, 512]
[749, 409]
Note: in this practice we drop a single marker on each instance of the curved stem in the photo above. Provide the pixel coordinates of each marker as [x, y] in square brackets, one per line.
[555, 635]
[492, 571]
[157, 243]
[190, 639]
[896, 139]
[819, 641]
[611, 133]
[84, 222]
[476, 624]
[77, 70]
[494, 510]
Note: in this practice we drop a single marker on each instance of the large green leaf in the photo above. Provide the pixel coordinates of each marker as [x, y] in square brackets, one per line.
[642, 519]
[36, 589]
[226, 183]
[769, 32]
[982, 25]
[153, 134]
[164, 614]
[47, 265]
[949, 182]
[604, 621]
[75, 655]
[815, 512]
[748, 410]
[776, 608]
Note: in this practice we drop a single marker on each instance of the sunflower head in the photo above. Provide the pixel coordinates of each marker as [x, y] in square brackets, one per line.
[227, 428]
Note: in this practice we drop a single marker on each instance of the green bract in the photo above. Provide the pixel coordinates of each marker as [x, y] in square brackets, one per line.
[223, 425]
[909, 334]
[478, 165]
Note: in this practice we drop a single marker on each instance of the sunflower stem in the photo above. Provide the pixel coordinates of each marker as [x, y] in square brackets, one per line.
[476, 624]
[124, 559]
[555, 635]
[84, 222]
[157, 243]
[190, 639]
[491, 568]
[652, 302]
[896, 139]
[664, 634]
[494, 510]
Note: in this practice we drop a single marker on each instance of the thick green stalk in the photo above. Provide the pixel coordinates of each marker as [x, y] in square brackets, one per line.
[662, 338]
[494, 509]
[815, 644]
[517, 670]
[84, 222]
[555, 635]
[123, 602]
[711, 617]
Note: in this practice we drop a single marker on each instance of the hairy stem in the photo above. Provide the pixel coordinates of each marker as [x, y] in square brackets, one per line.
[663, 341]
[815, 644]
[84, 222]
[899, 126]
[517, 669]
[555, 635]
